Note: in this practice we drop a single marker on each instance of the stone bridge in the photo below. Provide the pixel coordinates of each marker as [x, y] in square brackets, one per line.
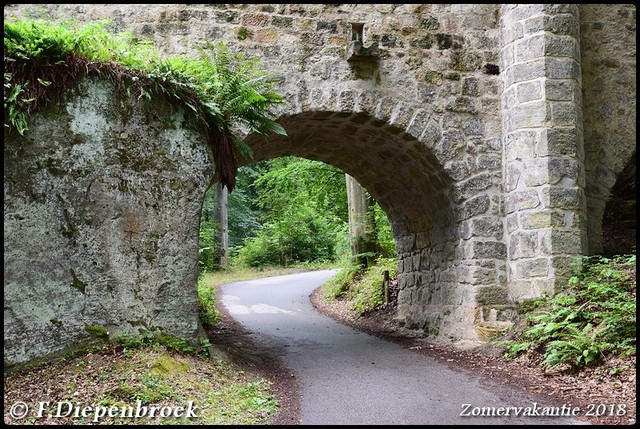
[491, 135]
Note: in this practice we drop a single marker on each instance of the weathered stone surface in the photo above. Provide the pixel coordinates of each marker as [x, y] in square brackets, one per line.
[101, 221]
[472, 120]
[492, 295]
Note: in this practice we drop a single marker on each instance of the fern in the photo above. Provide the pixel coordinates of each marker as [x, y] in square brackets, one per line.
[594, 317]
[225, 91]
[579, 347]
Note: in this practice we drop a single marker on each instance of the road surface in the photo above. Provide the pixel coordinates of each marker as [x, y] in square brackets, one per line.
[348, 377]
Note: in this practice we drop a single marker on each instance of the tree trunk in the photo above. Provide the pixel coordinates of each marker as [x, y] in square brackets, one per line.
[362, 227]
[221, 217]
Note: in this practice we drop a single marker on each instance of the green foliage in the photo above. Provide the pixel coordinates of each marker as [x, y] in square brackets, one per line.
[256, 397]
[209, 243]
[386, 241]
[97, 330]
[594, 317]
[303, 207]
[152, 389]
[339, 284]
[286, 211]
[367, 293]
[46, 43]
[207, 255]
[287, 182]
[208, 314]
[224, 90]
[238, 94]
[30, 44]
[243, 33]
[14, 117]
[302, 235]
[244, 213]
[362, 287]
[150, 339]
[577, 347]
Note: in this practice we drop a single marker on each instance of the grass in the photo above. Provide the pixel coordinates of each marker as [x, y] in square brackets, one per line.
[140, 373]
[361, 287]
[236, 274]
[208, 280]
[134, 381]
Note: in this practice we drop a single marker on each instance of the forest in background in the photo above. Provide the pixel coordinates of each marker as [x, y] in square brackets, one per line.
[287, 211]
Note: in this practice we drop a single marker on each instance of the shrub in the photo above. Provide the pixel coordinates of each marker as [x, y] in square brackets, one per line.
[208, 314]
[300, 237]
[367, 294]
[593, 317]
[336, 286]
[361, 286]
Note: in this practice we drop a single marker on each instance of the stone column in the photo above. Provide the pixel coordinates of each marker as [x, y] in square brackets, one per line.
[543, 146]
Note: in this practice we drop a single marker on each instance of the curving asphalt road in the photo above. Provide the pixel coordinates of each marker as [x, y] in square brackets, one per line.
[351, 378]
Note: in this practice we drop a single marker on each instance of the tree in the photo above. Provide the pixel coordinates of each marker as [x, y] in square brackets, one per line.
[221, 220]
[244, 214]
[363, 232]
[305, 213]
[242, 94]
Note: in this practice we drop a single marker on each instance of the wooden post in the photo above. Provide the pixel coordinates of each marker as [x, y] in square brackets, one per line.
[385, 286]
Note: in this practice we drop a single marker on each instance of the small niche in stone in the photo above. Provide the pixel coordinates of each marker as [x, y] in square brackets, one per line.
[357, 50]
[357, 32]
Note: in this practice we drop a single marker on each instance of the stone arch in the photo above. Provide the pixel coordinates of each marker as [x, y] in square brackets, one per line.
[445, 217]
[619, 219]
[608, 62]
[515, 116]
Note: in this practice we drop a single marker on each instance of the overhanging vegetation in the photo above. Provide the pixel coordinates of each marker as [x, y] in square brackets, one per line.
[223, 89]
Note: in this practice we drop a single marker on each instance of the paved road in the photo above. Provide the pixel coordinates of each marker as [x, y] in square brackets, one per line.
[349, 377]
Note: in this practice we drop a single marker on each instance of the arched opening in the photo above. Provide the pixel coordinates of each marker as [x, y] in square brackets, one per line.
[404, 176]
[619, 220]
[399, 171]
[290, 210]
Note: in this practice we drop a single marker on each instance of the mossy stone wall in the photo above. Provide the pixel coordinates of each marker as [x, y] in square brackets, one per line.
[102, 200]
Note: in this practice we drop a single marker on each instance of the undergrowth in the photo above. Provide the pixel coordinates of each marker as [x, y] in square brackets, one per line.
[124, 385]
[362, 287]
[223, 89]
[150, 339]
[208, 313]
[592, 318]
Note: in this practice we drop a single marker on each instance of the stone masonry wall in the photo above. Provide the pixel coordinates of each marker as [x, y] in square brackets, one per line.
[101, 222]
[464, 121]
[544, 152]
[418, 125]
[569, 90]
[608, 41]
